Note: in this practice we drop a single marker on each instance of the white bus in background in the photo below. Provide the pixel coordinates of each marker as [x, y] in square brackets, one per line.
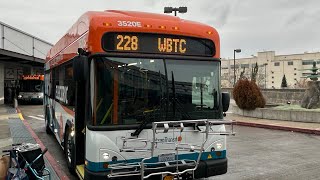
[30, 89]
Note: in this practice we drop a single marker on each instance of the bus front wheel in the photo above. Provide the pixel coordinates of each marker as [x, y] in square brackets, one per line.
[69, 149]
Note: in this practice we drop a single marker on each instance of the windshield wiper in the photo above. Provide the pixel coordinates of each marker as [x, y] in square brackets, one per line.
[142, 125]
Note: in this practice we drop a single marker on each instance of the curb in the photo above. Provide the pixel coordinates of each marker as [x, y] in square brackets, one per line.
[49, 157]
[275, 127]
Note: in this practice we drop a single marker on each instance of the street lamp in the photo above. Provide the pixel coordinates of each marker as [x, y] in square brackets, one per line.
[234, 65]
[175, 10]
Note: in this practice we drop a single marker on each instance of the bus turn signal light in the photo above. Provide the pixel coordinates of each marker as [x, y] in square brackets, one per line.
[162, 27]
[105, 165]
[148, 26]
[218, 153]
[107, 24]
[175, 28]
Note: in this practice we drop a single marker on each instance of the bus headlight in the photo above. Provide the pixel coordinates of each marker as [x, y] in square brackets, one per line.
[105, 156]
[219, 146]
[110, 155]
[19, 96]
[72, 133]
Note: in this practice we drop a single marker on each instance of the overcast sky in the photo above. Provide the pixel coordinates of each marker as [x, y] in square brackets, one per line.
[285, 26]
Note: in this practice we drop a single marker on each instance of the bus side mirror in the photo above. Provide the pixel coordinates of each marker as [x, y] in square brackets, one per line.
[225, 101]
[80, 68]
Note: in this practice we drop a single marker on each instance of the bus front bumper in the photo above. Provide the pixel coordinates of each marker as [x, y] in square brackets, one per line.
[205, 169]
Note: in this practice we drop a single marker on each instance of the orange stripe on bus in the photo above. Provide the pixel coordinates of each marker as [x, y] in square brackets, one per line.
[69, 111]
[115, 96]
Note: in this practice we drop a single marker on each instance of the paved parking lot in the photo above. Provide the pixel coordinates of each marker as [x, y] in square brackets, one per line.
[254, 153]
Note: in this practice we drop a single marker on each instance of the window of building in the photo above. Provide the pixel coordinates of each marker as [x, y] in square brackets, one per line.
[295, 68]
[224, 67]
[272, 77]
[277, 64]
[290, 63]
[307, 62]
[272, 72]
[295, 73]
[272, 81]
[244, 65]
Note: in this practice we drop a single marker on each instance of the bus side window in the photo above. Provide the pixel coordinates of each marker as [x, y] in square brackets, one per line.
[53, 83]
[71, 85]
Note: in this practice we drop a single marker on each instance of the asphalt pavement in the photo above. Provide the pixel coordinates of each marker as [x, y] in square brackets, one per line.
[254, 153]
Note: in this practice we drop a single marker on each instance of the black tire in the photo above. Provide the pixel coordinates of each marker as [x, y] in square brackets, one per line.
[47, 116]
[69, 150]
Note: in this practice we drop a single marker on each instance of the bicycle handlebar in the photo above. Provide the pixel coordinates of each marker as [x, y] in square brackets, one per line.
[44, 151]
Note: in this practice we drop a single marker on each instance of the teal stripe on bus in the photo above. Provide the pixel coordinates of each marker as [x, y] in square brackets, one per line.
[98, 166]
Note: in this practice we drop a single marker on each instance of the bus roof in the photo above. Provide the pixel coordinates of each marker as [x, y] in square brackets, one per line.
[86, 33]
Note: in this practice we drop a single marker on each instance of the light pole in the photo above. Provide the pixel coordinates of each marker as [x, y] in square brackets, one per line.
[175, 10]
[234, 65]
[265, 75]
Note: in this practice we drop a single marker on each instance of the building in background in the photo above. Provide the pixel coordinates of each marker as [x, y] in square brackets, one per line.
[20, 53]
[271, 69]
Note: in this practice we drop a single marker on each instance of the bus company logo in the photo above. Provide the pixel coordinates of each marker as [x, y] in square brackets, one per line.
[167, 139]
[61, 93]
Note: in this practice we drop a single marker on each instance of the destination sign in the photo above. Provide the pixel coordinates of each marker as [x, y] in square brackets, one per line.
[32, 77]
[157, 44]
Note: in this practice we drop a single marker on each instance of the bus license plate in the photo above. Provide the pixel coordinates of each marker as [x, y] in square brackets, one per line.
[167, 157]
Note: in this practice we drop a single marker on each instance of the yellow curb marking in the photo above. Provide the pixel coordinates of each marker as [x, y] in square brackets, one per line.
[21, 117]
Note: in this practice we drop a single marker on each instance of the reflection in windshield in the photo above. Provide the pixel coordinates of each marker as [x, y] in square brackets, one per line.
[30, 85]
[132, 90]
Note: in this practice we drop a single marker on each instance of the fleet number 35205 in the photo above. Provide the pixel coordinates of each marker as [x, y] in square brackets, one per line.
[129, 23]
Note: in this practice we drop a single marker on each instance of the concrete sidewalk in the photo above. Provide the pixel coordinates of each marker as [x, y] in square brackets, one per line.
[310, 128]
[13, 130]
[5, 135]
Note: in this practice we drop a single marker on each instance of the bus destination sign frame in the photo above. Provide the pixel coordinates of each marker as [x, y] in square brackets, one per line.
[157, 44]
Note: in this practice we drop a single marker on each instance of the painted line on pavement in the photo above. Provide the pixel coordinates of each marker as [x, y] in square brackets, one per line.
[276, 127]
[37, 118]
[49, 157]
[20, 116]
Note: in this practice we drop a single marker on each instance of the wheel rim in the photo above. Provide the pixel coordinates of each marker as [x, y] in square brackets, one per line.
[69, 148]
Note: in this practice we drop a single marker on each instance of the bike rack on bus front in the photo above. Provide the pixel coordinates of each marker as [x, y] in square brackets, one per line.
[139, 169]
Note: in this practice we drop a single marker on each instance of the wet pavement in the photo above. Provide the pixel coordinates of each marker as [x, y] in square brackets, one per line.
[254, 153]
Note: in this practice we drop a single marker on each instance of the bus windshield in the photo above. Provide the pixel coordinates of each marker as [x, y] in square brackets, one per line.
[134, 90]
[30, 85]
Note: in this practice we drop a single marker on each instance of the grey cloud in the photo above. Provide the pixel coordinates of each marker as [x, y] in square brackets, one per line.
[286, 26]
[296, 18]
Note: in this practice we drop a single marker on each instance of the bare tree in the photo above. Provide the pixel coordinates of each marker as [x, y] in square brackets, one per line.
[302, 83]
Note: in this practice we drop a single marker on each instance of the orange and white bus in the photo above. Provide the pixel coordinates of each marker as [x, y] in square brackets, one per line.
[137, 95]
[30, 88]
